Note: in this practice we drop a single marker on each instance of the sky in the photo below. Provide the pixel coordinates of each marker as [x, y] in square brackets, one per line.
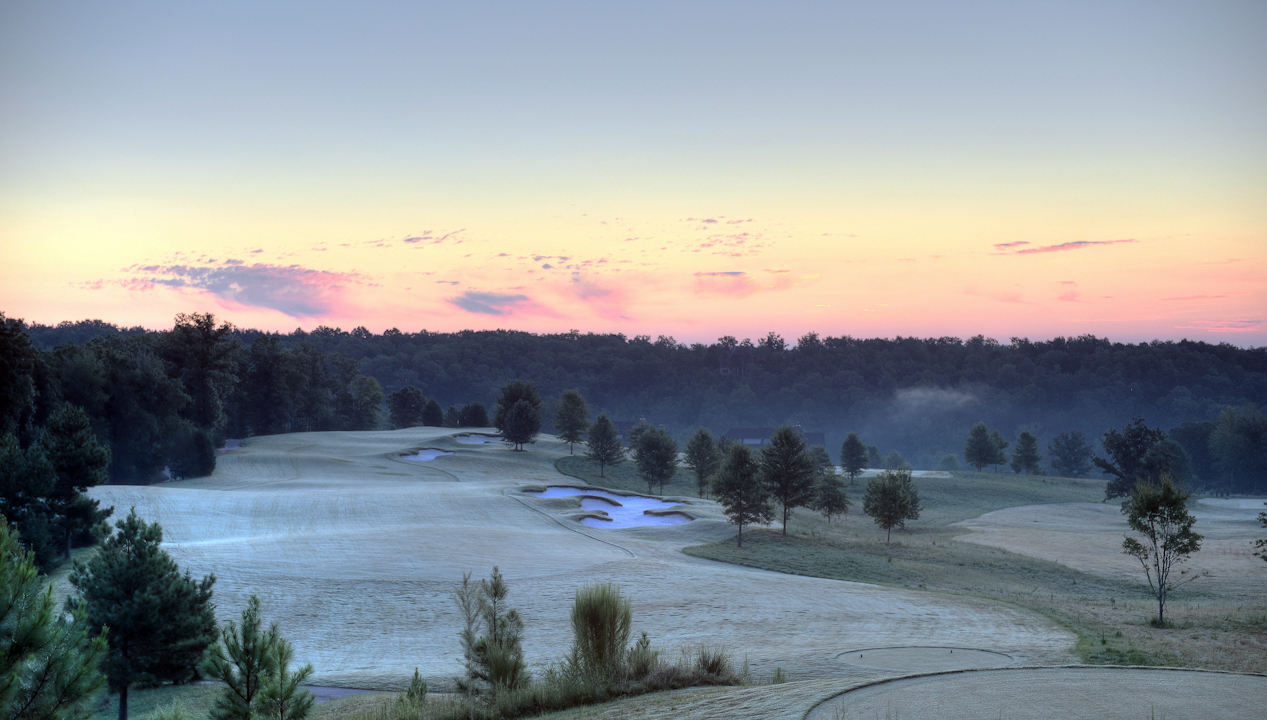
[1010, 169]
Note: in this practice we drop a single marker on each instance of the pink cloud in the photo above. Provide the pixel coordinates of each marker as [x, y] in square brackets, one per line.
[1075, 245]
[1004, 246]
[293, 290]
[1224, 326]
[501, 304]
[741, 285]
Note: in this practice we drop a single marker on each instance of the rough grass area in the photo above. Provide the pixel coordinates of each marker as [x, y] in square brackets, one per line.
[1111, 616]
[625, 477]
[195, 698]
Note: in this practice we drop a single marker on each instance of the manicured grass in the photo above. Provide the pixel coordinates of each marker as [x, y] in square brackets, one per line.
[1110, 616]
[625, 477]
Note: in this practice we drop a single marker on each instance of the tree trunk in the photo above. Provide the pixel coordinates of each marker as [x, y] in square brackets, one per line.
[785, 519]
[123, 703]
[740, 534]
[889, 536]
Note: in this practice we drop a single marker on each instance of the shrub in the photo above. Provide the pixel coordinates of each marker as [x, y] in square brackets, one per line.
[601, 623]
[642, 659]
[713, 661]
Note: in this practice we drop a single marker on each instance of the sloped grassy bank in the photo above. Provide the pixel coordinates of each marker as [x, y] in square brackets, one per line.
[1110, 616]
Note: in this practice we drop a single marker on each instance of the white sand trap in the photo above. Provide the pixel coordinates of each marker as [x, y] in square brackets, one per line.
[869, 473]
[1044, 693]
[425, 455]
[477, 439]
[354, 552]
[619, 511]
[924, 659]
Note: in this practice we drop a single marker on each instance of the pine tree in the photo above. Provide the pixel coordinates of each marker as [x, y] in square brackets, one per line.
[48, 660]
[495, 658]
[655, 453]
[283, 697]
[80, 462]
[739, 487]
[432, 415]
[979, 450]
[160, 621]
[1069, 454]
[27, 480]
[572, 418]
[703, 456]
[241, 660]
[603, 446]
[853, 456]
[787, 467]
[1025, 458]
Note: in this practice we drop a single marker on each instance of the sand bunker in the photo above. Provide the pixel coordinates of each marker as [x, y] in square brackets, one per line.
[476, 439]
[425, 455]
[924, 659]
[1022, 694]
[619, 511]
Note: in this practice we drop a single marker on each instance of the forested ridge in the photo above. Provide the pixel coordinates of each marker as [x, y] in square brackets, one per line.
[918, 396]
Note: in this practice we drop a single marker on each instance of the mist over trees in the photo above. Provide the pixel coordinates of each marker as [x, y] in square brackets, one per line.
[916, 396]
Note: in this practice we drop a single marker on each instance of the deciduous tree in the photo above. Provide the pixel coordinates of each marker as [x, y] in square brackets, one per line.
[160, 621]
[655, 453]
[511, 393]
[831, 499]
[1239, 445]
[603, 446]
[521, 424]
[571, 418]
[703, 456]
[432, 415]
[1000, 446]
[743, 493]
[891, 500]
[1127, 451]
[1159, 513]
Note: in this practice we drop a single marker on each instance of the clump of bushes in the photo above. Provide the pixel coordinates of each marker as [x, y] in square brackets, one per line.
[601, 665]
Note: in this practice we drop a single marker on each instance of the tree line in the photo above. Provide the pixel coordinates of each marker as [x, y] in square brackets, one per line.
[916, 396]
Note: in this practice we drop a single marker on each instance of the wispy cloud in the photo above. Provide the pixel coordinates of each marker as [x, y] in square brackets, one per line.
[1193, 297]
[1224, 326]
[1062, 247]
[501, 304]
[428, 237]
[741, 284]
[1004, 246]
[292, 289]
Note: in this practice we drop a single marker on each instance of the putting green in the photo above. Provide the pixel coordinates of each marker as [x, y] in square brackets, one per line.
[1043, 693]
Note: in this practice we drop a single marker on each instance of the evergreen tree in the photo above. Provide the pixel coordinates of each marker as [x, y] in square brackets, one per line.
[283, 696]
[979, 451]
[831, 499]
[17, 368]
[452, 417]
[510, 394]
[571, 418]
[655, 453]
[495, 658]
[703, 456]
[739, 487]
[473, 414]
[1069, 454]
[521, 424]
[891, 499]
[853, 456]
[405, 406]
[79, 462]
[27, 480]
[241, 660]
[203, 358]
[603, 446]
[787, 467]
[48, 660]
[1000, 446]
[1025, 458]
[432, 415]
[160, 621]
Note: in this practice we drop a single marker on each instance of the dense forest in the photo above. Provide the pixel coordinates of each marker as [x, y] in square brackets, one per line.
[917, 396]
